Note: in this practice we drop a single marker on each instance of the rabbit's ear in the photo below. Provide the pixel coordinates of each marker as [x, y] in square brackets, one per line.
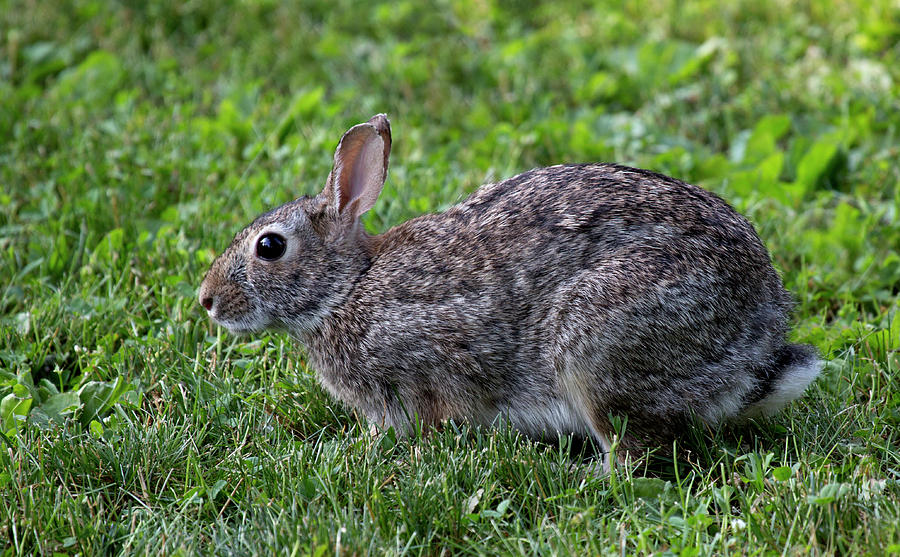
[360, 167]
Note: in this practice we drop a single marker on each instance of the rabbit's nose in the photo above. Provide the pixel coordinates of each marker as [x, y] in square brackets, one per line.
[206, 299]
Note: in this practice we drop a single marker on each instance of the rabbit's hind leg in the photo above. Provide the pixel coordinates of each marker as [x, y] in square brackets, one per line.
[604, 367]
[582, 401]
[618, 447]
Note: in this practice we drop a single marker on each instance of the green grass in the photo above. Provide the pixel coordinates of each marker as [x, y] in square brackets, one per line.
[136, 138]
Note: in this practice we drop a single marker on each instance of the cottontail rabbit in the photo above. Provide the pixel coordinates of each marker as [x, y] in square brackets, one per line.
[554, 300]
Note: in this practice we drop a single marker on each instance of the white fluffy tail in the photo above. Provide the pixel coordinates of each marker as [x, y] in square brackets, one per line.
[801, 366]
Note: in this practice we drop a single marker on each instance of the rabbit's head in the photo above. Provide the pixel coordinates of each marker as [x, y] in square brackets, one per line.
[289, 267]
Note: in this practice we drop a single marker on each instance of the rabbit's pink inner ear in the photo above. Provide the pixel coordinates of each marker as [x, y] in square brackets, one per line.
[367, 178]
[359, 170]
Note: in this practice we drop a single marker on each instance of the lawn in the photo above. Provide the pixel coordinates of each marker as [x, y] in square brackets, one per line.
[137, 137]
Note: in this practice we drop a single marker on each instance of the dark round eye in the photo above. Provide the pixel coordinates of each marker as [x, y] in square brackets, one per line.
[270, 247]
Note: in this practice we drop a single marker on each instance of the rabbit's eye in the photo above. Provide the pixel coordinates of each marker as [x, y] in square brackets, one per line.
[270, 247]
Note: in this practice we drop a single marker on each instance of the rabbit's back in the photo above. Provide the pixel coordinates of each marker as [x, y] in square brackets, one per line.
[515, 247]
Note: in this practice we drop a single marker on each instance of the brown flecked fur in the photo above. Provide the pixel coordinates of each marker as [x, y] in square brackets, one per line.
[554, 299]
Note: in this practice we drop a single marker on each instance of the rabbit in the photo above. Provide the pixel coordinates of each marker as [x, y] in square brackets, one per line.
[555, 300]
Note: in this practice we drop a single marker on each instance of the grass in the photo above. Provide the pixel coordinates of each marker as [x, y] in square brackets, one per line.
[136, 138]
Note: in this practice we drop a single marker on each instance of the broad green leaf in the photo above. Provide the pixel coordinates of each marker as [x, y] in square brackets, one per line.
[99, 396]
[817, 163]
[762, 141]
[761, 181]
[94, 82]
[13, 410]
[782, 473]
[828, 494]
[648, 488]
[58, 406]
[110, 247]
[216, 488]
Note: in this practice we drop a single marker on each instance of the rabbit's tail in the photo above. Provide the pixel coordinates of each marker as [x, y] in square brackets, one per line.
[795, 366]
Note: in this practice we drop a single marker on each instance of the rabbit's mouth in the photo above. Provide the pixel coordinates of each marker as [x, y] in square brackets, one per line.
[241, 325]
